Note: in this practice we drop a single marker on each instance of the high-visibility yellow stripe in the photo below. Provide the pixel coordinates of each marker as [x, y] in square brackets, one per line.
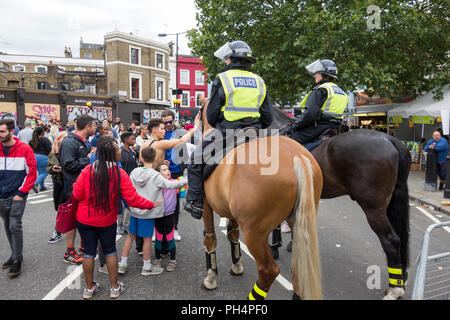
[396, 282]
[260, 291]
[251, 297]
[395, 270]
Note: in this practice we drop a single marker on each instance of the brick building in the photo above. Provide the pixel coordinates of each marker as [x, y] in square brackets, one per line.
[52, 73]
[137, 69]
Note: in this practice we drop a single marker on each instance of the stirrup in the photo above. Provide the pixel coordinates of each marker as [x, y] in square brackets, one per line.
[195, 212]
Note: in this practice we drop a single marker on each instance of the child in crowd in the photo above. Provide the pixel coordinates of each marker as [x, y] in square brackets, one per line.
[148, 183]
[165, 226]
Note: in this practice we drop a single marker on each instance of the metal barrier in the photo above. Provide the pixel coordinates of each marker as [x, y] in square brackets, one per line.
[419, 283]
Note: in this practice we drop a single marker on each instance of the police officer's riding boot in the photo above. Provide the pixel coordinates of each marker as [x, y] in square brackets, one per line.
[195, 192]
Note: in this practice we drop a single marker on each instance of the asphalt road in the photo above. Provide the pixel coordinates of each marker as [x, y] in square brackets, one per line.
[350, 254]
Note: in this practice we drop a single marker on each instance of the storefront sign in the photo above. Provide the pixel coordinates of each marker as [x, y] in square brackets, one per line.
[423, 119]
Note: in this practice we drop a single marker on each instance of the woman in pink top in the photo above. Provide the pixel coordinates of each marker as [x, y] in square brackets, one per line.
[98, 190]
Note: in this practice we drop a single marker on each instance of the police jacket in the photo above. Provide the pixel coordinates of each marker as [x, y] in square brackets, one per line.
[216, 117]
[312, 112]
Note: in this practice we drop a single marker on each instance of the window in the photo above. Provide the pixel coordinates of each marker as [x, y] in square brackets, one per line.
[88, 55]
[184, 76]
[135, 86]
[41, 85]
[89, 88]
[80, 69]
[197, 98]
[185, 99]
[199, 78]
[13, 83]
[159, 90]
[41, 69]
[64, 86]
[135, 55]
[159, 61]
[18, 68]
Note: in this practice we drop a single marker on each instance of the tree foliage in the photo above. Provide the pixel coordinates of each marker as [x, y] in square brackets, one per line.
[406, 53]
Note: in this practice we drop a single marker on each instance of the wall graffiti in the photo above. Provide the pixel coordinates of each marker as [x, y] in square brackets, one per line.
[43, 112]
[99, 113]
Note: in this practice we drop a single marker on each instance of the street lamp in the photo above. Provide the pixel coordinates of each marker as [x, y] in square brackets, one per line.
[176, 55]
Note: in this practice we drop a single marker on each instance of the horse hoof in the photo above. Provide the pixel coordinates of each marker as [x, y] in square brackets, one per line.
[275, 252]
[237, 269]
[394, 293]
[210, 282]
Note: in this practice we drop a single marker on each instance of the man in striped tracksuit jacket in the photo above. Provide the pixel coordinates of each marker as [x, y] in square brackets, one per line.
[18, 174]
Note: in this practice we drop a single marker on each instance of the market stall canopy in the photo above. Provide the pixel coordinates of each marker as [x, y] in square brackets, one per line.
[417, 106]
[435, 108]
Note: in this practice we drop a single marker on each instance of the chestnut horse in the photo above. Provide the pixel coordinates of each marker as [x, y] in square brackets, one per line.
[372, 168]
[256, 203]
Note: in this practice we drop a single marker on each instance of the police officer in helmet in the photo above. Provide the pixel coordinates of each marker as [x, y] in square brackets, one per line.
[323, 105]
[239, 99]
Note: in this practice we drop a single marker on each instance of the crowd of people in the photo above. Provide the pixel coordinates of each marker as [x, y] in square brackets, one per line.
[120, 178]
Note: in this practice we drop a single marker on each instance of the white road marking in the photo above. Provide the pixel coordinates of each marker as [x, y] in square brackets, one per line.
[429, 215]
[282, 280]
[67, 281]
[41, 201]
[223, 222]
[37, 197]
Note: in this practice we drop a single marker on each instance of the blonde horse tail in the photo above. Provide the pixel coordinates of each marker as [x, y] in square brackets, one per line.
[305, 264]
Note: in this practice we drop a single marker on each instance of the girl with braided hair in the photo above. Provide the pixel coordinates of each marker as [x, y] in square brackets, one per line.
[98, 190]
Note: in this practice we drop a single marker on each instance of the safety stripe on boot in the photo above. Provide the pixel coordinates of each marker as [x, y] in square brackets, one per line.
[257, 293]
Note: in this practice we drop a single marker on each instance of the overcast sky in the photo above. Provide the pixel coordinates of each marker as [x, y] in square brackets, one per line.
[45, 27]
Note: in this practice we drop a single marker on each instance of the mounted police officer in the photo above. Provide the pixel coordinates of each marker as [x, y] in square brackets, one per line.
[239, 99]
[323, 105]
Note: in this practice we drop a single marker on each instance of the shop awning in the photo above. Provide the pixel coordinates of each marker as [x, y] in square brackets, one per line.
[435, 108]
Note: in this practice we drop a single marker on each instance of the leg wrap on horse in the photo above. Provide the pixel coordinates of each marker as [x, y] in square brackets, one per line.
[257, 293]
[235, 246]
[211, 262]
[276, 237]
[396, 277]
[235, 251]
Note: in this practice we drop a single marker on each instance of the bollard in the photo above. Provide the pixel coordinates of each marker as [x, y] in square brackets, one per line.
[431, 172]
[447, 185]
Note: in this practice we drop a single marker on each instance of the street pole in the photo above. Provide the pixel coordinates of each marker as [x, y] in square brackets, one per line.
[176, 67]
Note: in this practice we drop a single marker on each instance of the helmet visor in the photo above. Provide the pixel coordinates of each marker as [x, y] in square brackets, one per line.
[315, 67]
[224, 52]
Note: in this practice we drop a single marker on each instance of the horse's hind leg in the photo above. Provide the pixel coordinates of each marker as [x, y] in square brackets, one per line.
[237, 268]
[268, 270]
[210, 243]
[390, 242]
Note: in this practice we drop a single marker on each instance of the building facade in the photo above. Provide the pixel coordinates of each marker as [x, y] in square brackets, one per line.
[191, 79]
[137, 69]
[52, 73]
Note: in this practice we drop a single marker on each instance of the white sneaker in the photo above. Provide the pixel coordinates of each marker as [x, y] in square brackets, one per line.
[152, 270]
[122, 268]
[176, 235]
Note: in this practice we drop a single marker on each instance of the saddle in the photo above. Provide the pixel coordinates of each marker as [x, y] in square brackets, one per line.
[331, 132]
[241, 136]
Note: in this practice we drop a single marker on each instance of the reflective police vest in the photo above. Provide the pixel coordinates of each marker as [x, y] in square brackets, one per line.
[244, 94]
[336, 101]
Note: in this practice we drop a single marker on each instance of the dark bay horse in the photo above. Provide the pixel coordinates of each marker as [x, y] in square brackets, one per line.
[256, 202]
[372, 168]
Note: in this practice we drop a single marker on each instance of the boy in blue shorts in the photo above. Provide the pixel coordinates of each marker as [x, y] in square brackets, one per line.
[148, 183]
